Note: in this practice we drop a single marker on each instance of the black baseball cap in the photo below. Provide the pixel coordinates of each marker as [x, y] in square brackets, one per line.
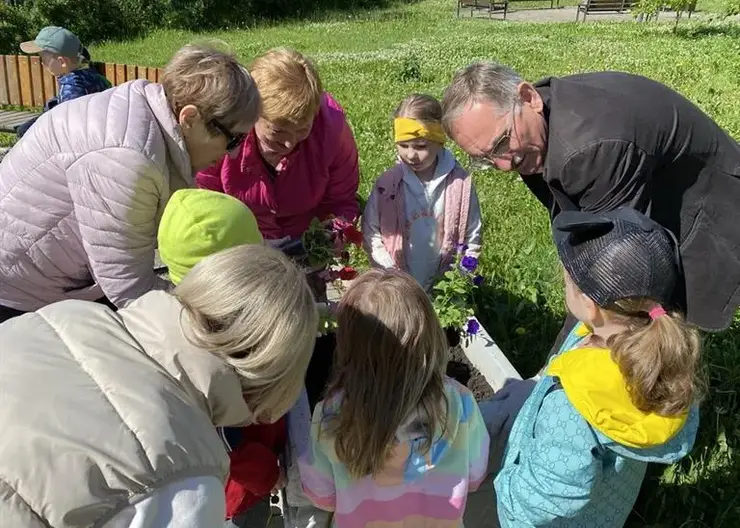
[617, 255]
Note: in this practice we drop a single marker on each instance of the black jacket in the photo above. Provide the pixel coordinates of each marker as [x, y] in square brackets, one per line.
[619, 139]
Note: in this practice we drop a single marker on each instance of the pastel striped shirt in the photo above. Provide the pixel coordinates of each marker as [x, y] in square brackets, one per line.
[414, 489]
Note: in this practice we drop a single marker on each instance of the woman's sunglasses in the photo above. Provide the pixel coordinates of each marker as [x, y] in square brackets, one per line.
[232, 140]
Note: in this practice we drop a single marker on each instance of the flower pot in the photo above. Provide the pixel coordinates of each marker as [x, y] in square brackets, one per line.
[453, 336]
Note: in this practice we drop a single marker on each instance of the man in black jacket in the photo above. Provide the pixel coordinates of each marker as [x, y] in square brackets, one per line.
[598, 141]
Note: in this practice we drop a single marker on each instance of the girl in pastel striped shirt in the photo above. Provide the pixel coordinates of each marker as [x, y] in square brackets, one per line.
[395, 443]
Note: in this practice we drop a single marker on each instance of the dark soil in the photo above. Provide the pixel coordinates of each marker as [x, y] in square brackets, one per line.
[476, 382]
[461, 369]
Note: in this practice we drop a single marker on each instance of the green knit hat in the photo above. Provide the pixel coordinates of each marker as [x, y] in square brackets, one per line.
[198, 223]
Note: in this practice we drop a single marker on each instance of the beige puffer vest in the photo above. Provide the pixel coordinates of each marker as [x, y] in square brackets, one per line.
[99, 409]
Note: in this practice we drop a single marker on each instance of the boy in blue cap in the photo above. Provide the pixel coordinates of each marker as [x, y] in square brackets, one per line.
[63, 55]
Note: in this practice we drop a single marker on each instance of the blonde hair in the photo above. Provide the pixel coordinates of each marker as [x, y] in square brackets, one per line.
[390, 361]
[289, 84]
[421, 107]
[659, 358]
[252, 306]
[215, 83]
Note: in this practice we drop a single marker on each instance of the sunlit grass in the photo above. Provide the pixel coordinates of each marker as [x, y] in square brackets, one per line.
[370, 61]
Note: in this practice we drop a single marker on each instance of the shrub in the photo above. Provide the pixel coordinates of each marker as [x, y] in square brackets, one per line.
[16, 26]
[94, 20]
[97, 20]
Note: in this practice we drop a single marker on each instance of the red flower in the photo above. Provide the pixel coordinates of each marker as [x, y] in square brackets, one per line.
[352, 235]
[347, 273]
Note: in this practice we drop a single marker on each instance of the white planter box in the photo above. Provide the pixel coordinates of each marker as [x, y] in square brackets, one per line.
[487, 357]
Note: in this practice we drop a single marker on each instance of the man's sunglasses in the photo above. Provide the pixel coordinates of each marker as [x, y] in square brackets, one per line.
[232, 140]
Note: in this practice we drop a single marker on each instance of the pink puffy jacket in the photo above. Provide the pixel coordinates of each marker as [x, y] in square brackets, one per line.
[319, 178]
[81, 195]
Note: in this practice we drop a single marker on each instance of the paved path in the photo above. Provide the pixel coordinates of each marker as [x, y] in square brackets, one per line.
[563, 14]
[568, 14]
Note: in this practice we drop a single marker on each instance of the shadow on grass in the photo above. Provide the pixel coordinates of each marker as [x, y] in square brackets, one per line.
[701, 31]
[524, 330]
[325, 10]
[704, 489]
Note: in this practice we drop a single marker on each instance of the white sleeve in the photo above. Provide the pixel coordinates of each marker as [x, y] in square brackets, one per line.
[189, 503]
[475, 226]
[372, 240]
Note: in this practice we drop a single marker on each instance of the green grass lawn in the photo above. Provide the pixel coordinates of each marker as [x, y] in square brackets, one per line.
[371, 61]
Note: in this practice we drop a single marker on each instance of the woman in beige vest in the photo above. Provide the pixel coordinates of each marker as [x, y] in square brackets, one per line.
[108, 418]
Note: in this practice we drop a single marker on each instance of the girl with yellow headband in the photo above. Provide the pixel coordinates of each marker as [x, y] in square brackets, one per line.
[425, 208]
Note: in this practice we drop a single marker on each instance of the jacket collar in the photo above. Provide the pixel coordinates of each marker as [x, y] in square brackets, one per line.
[251, 157]
[445, 165]
[596, 388]
[156, 321]
[181, 173]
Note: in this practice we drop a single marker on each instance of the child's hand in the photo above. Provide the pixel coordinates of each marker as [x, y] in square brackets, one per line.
[280, 484]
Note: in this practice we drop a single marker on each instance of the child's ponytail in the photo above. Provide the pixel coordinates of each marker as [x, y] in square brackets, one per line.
[659, 355]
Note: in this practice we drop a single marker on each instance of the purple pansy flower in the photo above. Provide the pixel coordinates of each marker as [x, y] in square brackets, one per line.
[469, 263]
[473, 327]
[478, 280]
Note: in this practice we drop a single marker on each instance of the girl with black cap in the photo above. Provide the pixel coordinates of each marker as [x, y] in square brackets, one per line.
[622, 392]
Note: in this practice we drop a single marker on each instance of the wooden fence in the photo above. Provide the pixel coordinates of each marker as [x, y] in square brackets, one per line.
[25, 82]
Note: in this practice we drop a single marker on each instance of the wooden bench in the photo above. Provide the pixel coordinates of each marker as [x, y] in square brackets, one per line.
[483, 5]
[603, 6]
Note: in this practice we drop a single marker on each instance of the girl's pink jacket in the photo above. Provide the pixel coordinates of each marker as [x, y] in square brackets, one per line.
[319, 178]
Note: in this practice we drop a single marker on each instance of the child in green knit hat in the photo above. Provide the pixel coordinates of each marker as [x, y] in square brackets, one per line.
[198, 223]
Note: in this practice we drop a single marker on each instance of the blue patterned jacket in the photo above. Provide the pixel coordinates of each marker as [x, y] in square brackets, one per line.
[578, 450]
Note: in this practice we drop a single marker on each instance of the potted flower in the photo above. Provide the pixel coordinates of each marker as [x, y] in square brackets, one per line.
[453, 298]
[326, 244]
[326, 247]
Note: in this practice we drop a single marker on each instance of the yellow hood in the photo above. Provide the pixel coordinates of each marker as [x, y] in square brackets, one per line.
[595, 386]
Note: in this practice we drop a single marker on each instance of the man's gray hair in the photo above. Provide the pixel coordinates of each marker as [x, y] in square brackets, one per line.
[478, 82]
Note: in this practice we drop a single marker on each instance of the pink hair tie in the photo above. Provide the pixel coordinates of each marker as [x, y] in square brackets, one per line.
[656, 312]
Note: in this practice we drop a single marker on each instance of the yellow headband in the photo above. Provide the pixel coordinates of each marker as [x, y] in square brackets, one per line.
[407, 129]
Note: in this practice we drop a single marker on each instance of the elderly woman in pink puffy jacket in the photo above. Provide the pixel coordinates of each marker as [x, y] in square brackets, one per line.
[81, 194]
[300, 162]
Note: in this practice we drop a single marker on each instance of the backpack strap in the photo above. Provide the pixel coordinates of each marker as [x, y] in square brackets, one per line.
[458, 187]
[392, 213]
